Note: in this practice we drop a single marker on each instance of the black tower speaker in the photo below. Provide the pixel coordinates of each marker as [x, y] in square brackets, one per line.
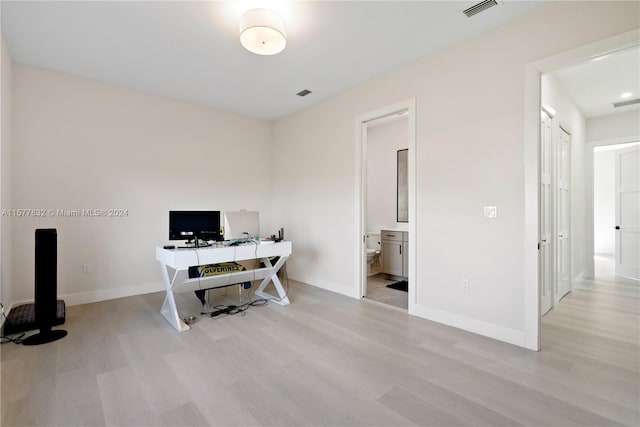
[46, 284]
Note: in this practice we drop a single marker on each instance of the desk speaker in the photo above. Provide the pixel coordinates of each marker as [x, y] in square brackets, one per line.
[46, 288]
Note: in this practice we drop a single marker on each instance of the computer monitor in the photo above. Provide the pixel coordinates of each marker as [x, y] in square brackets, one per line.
[188, 225]
[241, 225]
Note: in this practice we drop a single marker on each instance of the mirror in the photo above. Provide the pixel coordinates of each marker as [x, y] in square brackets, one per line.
[403, 186]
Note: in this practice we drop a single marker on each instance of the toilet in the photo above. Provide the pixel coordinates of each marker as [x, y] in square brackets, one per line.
[373, 254]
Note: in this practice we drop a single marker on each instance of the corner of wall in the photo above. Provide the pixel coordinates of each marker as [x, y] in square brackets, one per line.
[6, 295]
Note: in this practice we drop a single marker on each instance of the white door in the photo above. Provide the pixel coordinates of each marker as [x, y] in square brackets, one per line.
[628, 212]
[563, 215]
[545, 264]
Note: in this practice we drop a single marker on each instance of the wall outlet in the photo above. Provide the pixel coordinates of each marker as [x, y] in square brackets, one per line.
[466, 287]
[87, 268]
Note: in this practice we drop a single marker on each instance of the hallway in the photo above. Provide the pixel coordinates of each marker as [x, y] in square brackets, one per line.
[596, 329]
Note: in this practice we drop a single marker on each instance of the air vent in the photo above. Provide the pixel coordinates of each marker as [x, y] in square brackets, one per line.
[625, 103]
[480, 7]
[303, 92]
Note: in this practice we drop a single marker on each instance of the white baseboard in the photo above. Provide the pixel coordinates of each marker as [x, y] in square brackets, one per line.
[322, 284]
[103, 294]
[480, 327]
[107, 294]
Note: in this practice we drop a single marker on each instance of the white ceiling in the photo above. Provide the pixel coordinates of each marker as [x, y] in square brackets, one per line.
[596, 84]
[190, 50]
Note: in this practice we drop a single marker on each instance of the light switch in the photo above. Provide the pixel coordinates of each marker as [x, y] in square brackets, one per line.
[490, 211]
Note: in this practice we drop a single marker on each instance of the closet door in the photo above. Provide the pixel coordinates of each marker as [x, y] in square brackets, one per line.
[546, 263]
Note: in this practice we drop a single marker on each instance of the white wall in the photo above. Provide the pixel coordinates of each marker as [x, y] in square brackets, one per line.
[383, 143]
[604, 200]
[571, 119]
[470, 154]
[78, 144]
[613, 126]
[6, 295]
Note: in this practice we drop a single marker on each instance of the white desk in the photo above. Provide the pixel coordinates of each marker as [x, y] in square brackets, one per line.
[174, 264]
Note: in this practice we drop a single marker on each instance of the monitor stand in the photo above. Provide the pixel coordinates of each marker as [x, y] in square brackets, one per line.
[191, 244]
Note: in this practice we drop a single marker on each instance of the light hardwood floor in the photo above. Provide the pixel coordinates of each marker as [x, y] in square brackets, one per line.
[326, 360]
[377, 291]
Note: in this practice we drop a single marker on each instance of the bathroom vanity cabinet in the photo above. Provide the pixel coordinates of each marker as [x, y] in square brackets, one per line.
[395, 252]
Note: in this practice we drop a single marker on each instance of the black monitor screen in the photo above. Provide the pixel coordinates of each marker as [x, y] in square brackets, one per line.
[186, 225]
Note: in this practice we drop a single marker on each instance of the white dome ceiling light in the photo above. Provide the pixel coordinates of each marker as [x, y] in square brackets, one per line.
[262, 32]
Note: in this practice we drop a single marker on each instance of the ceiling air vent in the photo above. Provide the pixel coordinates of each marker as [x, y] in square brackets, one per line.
[480, 7]
[625, 103]
[303, 92]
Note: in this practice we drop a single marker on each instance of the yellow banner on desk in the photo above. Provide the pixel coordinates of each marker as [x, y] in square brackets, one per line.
[214, 269]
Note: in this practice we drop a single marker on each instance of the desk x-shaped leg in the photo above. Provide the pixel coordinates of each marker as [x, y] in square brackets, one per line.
[272, 276]
[169, 309]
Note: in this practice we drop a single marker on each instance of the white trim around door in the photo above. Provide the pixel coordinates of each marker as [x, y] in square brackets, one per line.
[408, 105]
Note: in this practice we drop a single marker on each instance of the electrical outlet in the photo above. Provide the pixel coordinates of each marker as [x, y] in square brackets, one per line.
[466, 287]
[87, 268]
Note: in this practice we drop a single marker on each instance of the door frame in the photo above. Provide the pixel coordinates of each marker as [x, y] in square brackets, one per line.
[531, 141]
[361, 120]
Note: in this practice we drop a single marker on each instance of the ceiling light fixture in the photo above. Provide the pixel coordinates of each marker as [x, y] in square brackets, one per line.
[262, 31]
[626, 95]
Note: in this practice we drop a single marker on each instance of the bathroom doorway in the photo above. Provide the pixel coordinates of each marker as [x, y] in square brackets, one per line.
[386, 208]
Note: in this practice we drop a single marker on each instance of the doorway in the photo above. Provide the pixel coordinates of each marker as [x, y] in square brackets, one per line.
[533, 277]
[376, 224]
[615, 210]
[386, 213]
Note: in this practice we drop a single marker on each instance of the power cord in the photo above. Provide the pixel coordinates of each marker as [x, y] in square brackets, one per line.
[229, 280]
[13, 339]
[230, 310]
[255, 253]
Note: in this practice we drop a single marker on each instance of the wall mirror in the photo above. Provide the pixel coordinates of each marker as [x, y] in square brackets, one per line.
[403, 186]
